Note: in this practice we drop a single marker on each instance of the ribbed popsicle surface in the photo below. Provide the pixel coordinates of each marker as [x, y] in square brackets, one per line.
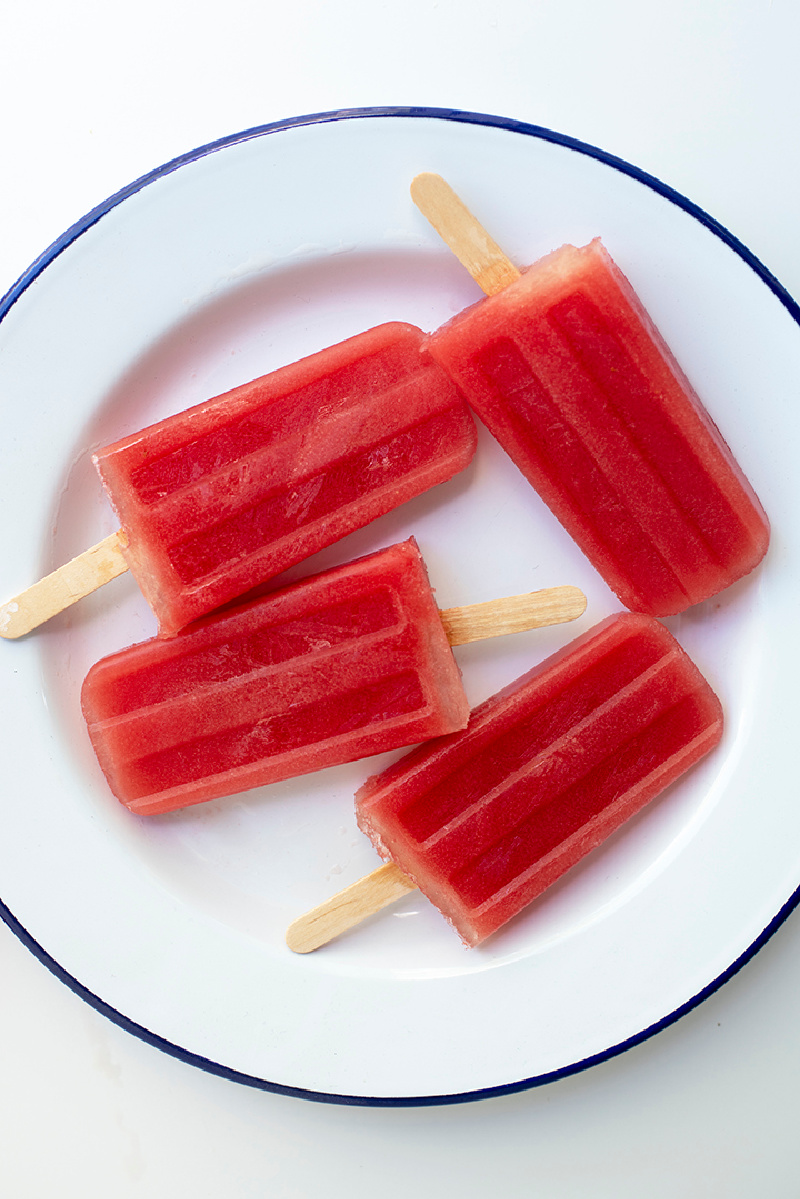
[572, 378]
[233, 491]
[348, 663]
[486, 819]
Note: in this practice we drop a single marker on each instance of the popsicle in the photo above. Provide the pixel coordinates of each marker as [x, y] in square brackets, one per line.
[485, 819]
[233, 491]
[350, 662]
[569, 373]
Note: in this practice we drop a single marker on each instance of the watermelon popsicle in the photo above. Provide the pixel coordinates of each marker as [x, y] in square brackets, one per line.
[350, 662]
[228, 494]
[568, 372]
[484, 820]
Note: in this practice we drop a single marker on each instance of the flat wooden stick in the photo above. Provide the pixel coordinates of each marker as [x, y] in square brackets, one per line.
[65, 586]
[514, 614]
[491, 269]
[350, 907]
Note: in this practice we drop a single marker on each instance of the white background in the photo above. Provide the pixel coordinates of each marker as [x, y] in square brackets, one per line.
[703, 95]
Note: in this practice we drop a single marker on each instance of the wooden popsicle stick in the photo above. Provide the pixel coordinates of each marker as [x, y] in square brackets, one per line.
[514, 614]
[65, 586]
[491, 269]
[350, 907]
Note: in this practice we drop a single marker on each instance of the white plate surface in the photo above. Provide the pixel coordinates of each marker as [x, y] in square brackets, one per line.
[236, 261]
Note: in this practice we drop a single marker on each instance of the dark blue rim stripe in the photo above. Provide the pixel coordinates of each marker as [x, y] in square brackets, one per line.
[524, 1084]
[469, 118]
[442, 114]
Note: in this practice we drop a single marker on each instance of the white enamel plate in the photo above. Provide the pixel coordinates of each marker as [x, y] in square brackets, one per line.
[239, 258]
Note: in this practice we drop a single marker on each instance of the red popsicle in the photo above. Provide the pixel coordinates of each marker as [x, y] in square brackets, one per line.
[233, 491]
[567, 370]
[484, 820]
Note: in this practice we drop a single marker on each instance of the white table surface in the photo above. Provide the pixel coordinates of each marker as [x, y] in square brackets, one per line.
[702, 94]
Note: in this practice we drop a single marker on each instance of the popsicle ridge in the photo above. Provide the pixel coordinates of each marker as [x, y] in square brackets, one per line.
[565, 830]
[232, 757]
[248, 427]
[243, 654]
[305, 509]
[559, 809]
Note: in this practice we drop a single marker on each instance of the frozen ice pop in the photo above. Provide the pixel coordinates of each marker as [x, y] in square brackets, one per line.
[484, 820]
[350, 662]
[569, 373]
[233, 491]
